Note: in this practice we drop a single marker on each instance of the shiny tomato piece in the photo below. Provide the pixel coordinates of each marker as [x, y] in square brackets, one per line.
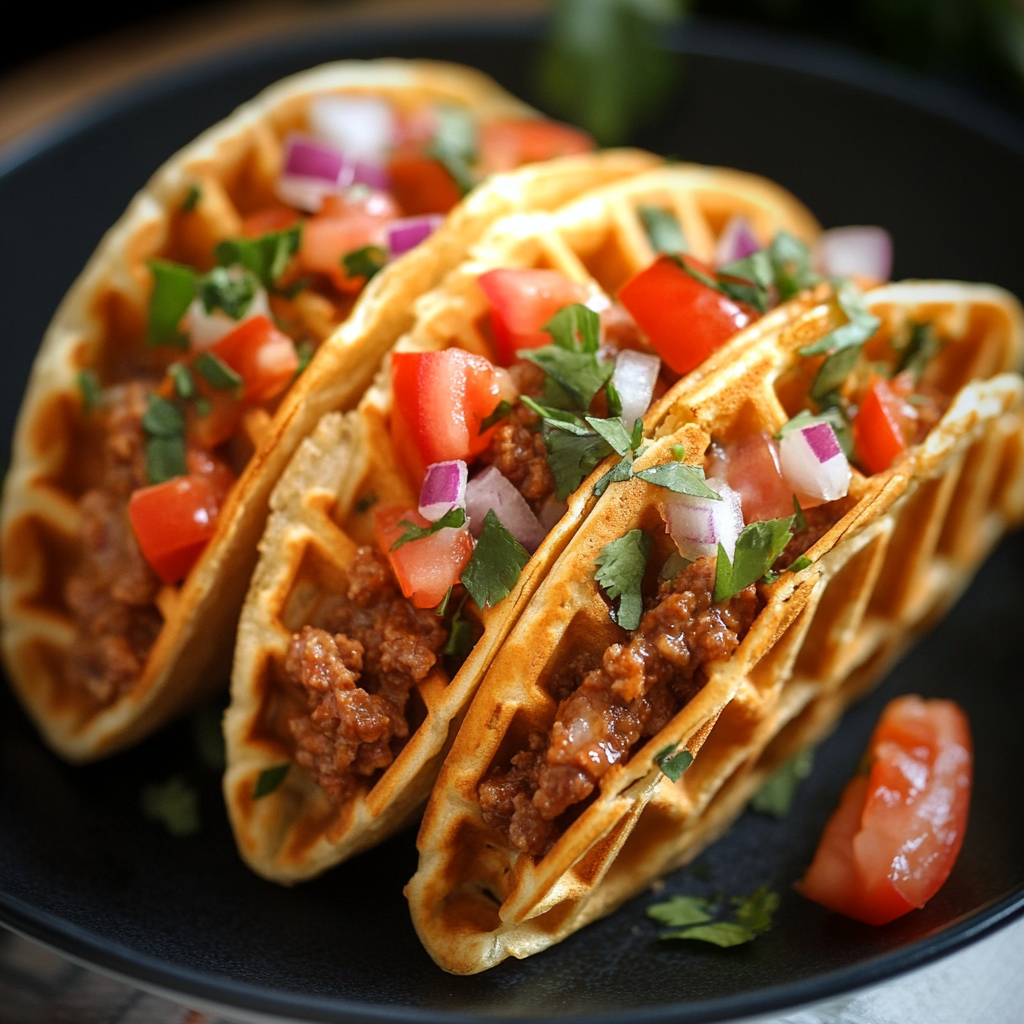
[427, 567]
[422, 185]
[173, 522]
[217, 473]
[507, 142]
[753, 471]
[896, 834]
[879, 428]
[269, 219]
[522, 302]
[262, 356]
[440, 400]
[683, 319]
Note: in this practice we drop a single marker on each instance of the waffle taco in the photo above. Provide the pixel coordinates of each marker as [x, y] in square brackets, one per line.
[682, 647]
[407, 537]
[167, 395]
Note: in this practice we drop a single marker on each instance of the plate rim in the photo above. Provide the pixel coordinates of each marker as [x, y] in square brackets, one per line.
[699, 37]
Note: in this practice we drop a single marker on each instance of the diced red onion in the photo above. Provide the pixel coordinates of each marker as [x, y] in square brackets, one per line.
[362, 127]
[403, 235]
[444, 488]
[699, 525]
[814, 465]
[634, 378]
[736, 242]
[371, 174]
[206, 329]
[856, 251]
[312, 170]
[490, 489]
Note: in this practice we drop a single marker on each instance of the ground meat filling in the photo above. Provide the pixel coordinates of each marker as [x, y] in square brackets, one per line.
[356, 675]
[112, 591]
[638, 688]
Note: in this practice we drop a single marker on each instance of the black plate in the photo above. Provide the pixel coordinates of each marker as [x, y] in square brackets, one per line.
[81, 869]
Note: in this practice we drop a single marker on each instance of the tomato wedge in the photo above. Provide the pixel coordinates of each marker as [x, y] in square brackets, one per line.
[896, 834]
[440, 400]
[427, 567]
[507, 142]
[879, 428]
[422, 185]
[683, 319]
[522, 302]
[262, 356]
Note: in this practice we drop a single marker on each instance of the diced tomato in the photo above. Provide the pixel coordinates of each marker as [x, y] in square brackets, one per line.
[218, 422]
[507, 142]
[422, 185]
[522, 302]
[896, 834]
[753, 471]
[427, 567]
[262, 356]
[879, 428]
[216, 472]
[683, 319]
[269, 219]
[440, 400]
[173, 522]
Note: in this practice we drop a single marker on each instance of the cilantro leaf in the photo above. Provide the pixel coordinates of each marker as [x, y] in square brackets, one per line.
[581, 374]
[834, 371]
[304, 350]
[576, 328]
[501, 410]
[495, 565]
[754, 912]
[175, 804]
[673, 762]
[184, 382]
[162, 418]
[364, 262]
[922, 346]
[800, 564]
[663, 229]
[749, 280]
[674, 565]
[678, 477]
[548, 412]
[720, 933]
[680, 911]
[758, 546]
[613, 432]
[267, 256]
[192, 196]
[775, 797]
[165, 459]
[232, 293]
[614, 399]
[92, 390]
[450, 520]
[269, 779]
[573, 453]
[861, 323]
[622, 470]
[455, 144]
[791, 265]
[174, 288]
[753, 915]
[216, 372]
[799, 519]
[620, 573]
[460, 638]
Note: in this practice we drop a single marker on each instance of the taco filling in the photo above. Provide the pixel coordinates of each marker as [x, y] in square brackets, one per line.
[247, 286]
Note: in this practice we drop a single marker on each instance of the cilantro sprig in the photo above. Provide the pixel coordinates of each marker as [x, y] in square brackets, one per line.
[265, 257]
[495, 565]
[365, 262]
[450, 520]
[620, 573]
[692, 917]
[757, 548]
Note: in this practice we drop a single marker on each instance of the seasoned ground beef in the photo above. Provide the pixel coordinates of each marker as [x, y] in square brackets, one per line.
[638, 688]
[357, 673]
[112, 590]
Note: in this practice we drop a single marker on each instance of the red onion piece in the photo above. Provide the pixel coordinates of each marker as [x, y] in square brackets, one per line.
[403, 235]
[634, 378]
[311, 170]
[856, 252]
[371, 174]
[490, 489]
[444, 488]
[736, 242]
[699, 525]
[814, 464]
[362, 127]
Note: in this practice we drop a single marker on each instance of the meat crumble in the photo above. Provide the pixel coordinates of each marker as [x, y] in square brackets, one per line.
[604, 713]
[357, 673]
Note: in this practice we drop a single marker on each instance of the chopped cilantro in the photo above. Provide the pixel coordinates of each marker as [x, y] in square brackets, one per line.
[752, 916]
[548, 412]
[192, 196]
[755, 911]
[364, 262]
[184, 382]
[680, 911]
[791, 265]
[673, 762]
[674, 565]
[92, 390]
[174, 288]
[775, 797]
[614, 399]
[266, 257]
[799, 519]
[834, 371]
[678, 477]
[749, 280]
[844, 344]
[758, 546]
[497, 561]
[614, 433]
[216, 372]
[164, 425]
[232, 293]
[622, 470]
[922, 346]
[366, 502]
[304, 350]
[450, 520]
[620, 573]
[455, 144]
[203, 407]
[298, 285]
[269, 779]
[573, 453]
[572, 360]
[663, 229]
[502, 410]
[800, 564]
[175, 804]
[576, 328]
[162, 418]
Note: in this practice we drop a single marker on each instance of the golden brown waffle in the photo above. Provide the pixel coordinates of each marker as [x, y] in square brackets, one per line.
[597, 240]
[102, 320]
[884, 572]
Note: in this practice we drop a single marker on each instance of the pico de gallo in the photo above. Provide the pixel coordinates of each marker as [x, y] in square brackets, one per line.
[248, 284]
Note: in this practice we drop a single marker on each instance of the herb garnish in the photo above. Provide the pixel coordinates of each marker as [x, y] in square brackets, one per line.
[266, 257]
[921, 347]
[692, 914]
[757, 547]
[673, 762]
[495, 565]
[621, 471]
[501, 410]
[192, 196]
[174, 288]
[232, 293]
[92, 390]
[620, 573]
[364, 262]
[775, 797]
[453, 519]
[175, 804]
[792, 270]
[269, 779]
[573, 453]
[663, 229]
[184, 382]
[455, 144]
[749, 280]
[460, 637]
[216, 372]
[164, 426]
[678, 477]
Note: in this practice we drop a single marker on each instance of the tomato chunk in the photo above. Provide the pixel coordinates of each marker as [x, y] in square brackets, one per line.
[683, 319]
[422, 185]
[507, 142]
[753, 471]
[268, 219]
[896, 834]
[173, 522]
[522, 302]
[427, 567]
[879, 427]
[262, 356]
[440, 400]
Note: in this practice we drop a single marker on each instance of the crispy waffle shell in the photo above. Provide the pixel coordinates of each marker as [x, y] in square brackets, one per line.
[102, 321]
[884, 572]
[296, 832]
